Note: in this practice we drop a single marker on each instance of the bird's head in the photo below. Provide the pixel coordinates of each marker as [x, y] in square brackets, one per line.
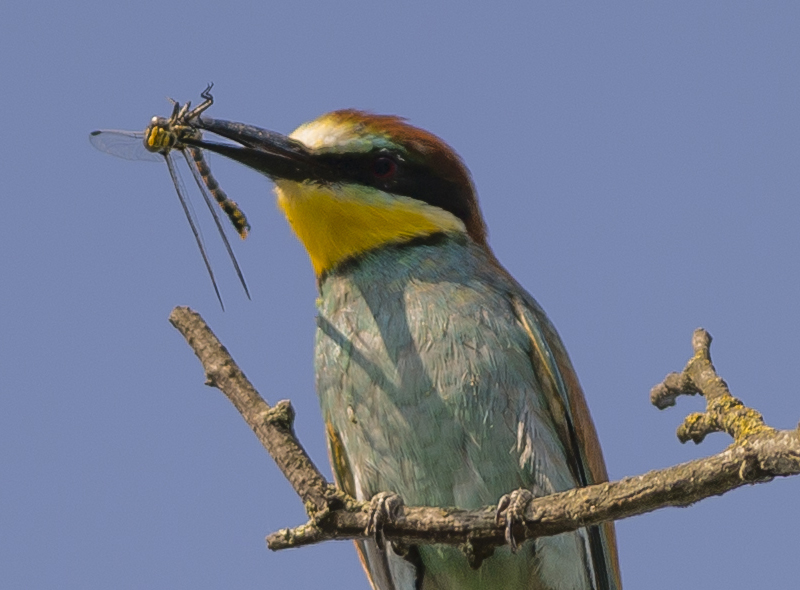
[350, 182]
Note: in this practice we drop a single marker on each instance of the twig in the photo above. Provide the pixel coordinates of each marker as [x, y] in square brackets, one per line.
[758, 454]
[272, 425]
[724, 413]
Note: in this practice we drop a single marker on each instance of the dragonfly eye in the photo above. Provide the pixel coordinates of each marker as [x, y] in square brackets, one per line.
[159, 139]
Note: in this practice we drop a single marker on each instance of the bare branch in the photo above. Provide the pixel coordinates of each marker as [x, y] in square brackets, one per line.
[756, 461]
[272, 425]
[759, 454]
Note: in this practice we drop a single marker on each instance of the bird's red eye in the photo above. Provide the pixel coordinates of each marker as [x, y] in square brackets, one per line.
[384, 168]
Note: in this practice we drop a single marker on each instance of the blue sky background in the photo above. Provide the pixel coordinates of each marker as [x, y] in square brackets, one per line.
[638, 169]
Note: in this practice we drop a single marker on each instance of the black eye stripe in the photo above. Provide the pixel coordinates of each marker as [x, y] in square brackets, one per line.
[409, 179]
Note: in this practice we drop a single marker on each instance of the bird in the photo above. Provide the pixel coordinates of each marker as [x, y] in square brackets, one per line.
[440, 379]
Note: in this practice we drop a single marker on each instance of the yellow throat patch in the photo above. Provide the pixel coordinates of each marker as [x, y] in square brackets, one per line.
[337, 222]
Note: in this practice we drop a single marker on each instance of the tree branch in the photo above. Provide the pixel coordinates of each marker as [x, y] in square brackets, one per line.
[272, 425]
[759, 453]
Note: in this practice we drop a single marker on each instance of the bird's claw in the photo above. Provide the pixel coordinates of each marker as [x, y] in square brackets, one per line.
[513, 506]
[383, 508]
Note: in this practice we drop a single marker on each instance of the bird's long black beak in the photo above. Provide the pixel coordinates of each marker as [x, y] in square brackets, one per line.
[268, 152]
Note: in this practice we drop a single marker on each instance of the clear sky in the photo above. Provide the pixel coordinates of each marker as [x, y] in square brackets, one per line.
[638, 169]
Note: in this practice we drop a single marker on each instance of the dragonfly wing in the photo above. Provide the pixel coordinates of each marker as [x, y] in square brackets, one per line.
[205, 191]
[182, 197]
[123, 144]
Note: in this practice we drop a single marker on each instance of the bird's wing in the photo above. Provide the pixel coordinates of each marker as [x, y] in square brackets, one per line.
[574, 426]
[382, 574]
[343, 476]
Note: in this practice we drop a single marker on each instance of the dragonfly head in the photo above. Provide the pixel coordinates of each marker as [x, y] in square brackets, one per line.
[164, 134]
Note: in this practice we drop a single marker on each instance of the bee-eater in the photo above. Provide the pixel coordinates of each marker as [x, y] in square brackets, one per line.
[440, 378]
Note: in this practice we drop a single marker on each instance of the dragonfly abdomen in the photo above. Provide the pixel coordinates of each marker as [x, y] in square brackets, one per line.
[229, 206]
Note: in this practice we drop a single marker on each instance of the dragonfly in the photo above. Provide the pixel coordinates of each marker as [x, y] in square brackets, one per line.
[158, 143]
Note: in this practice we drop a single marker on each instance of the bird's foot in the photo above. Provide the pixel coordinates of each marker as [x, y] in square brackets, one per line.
[513, 506]
[383, 508]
